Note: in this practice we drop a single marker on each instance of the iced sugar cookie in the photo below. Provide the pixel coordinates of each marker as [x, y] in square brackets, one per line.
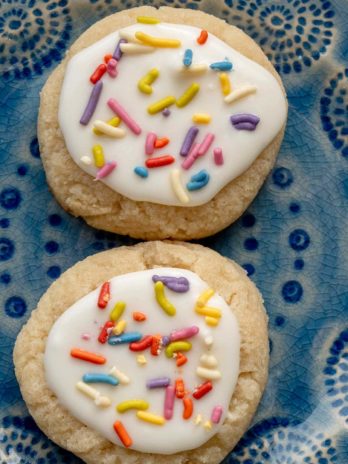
[146, 353]
[161, 124]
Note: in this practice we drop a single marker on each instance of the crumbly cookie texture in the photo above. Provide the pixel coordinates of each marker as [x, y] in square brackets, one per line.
[104, 208]
[225, 276]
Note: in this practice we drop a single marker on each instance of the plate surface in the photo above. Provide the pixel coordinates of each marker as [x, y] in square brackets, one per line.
[292, 240]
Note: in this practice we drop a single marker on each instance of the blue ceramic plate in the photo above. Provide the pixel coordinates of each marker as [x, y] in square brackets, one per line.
[293, 240]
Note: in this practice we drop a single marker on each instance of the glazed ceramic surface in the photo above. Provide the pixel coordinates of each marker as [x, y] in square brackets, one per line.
[292, 241]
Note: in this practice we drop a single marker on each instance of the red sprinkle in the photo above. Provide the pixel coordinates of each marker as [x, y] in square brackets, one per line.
[203, 37]
[180, 359]
[107, 58]
[160, 143]
[104, 334]
[179, 388]
[98, 73]
[104, 295]
[142, 344]
[202, 390]
[139, 317]
[156, 345]
[160, 161]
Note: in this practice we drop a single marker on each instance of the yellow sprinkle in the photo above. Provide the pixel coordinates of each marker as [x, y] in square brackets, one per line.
[173, 347]
[134, 48]
[152, 418]
[177, 186]
[147, 20]
[212, 321]
[201, 118]
[117, 312]
[188, 95]
[198, 419]
[98, 155]
[132, 404]
[165, 304]
[225, 83]
[160, 105]
[141, 360]
[242, 92]
[208, 311]
[119, 327]
[107, 129]
[144, 84]
[204, 297]
[160, 42]
[207, 425]
[114, 122]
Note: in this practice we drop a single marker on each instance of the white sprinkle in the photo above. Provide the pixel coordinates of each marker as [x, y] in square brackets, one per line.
[102, 401]
[210, 374]
[241, 92]
[124, 34]
[194, 68]
[132, 48]
[198, 419]
[86, 160]
[123, 378]
[208, 360]
[177, 186]
[209, 340]
[109, 130]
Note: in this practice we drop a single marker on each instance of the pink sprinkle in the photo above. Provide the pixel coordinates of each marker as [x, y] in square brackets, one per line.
[182, 334]
[105, 170]
[85, 336]
[191, 157]
[122, 113]
[216, 414]
[169, 402]
[111, 67]
[218, 156]
[150, 143]
[204, 147]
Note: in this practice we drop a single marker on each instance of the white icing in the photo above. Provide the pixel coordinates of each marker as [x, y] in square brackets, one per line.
[137, 290]
[240, 148]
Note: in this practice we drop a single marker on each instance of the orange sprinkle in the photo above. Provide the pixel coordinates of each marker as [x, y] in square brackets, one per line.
[203, 37]
[87, 356]
[139, 317]
[122, 434]
[179, 388]
[107, 58]
[156, 345]
[160, 143]
[188, 408]
[180, 359]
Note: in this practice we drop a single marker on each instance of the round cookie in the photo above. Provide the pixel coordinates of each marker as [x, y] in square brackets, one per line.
[229, 282]
[103, 207]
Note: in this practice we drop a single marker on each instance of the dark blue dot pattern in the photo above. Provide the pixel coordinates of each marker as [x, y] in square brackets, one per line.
[7, 249]
[55, 220]
[51, 247]
[33, 36]
[53, 272]
[299, 240]
[336, 375]
[5, 278]
[251, 244]
[283, 441]
[34, 148]
[294, 207]
[4, 223]
[292, 291]
[250, 269]
[294, 34]
[22, 442]
[334, 110]
[10, 198]
[15, 307]
[282, 177]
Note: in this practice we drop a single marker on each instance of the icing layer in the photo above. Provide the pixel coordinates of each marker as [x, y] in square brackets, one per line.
[211, 351]
[253, 91]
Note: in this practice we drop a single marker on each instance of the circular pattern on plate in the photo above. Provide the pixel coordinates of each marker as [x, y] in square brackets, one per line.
[33, 35]
[10, 198]
[336, 375]
[282, 441]
[293, 34]
[334, 110]
[15, 307]
[21, 441]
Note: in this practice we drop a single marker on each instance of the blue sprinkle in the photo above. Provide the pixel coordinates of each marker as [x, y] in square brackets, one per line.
[221, 66]
[100, 378]
[127, 337]
[141, 171]
[187, 57]
[198, 181]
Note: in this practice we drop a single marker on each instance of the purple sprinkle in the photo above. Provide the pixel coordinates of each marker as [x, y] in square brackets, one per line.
[177, 284]
[158, 383]
[248, 126]
[118, 52]
[92, 103]
[165, 340]
[188, 141]
[244, 117]
[166, 112]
